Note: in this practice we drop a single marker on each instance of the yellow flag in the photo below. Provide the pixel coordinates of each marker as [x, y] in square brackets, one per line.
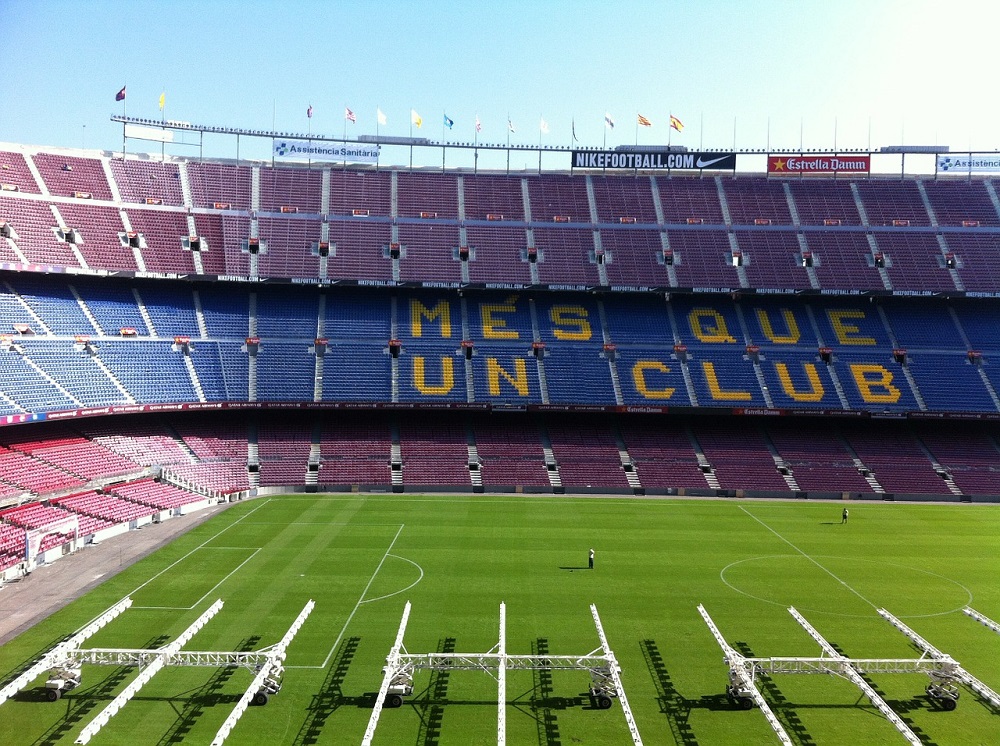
[163, 100]
[416, 118]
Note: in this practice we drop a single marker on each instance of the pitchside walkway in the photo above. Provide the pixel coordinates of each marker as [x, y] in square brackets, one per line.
[49, 588]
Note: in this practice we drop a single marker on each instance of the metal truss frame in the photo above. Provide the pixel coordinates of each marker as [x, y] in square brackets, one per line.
[401, 666]
[945, 673]
[66, 659]
[952, 672]
[62, 651]
[982, 619]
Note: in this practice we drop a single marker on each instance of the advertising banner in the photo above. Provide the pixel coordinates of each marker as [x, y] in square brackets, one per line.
[975, 163]
[653, 159]
[818, 164]
[135, 132]
[323, 151]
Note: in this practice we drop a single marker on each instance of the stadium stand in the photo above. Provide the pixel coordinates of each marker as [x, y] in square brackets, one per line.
[148, 181]
[14, 171]
[490, 292]
[434, 453]
[72, 176]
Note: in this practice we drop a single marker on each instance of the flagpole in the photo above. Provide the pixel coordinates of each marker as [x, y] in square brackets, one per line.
[508, 142]
[345, 122]
[125, 116]
[637, 129]
[163, 120]
[411, 138]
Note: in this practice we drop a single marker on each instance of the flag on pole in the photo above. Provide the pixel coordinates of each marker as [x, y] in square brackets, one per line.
[510, 125]
[309, 112]
[644, 122]
[479, 125]
[163, 100]
[416, 118]
[608, 121]
[120, 96]
[676, 123]
[349, 116]
[380, 116]
[543, 127]
[448, 121]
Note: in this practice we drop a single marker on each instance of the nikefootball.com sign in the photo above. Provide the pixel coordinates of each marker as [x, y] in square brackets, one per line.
[643, 159]
[818, 164]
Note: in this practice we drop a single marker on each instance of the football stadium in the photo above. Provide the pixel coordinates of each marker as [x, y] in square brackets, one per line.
[372, 438]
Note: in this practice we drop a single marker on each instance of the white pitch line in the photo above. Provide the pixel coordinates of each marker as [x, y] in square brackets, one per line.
[357, 606]
[188, 608]
[211, 538]
[828, 572]
[401, 590]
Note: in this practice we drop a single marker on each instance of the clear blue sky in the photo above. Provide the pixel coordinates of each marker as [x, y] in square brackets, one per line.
[781, 70]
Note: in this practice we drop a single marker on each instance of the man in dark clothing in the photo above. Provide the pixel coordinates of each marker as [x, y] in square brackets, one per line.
[590, 562]
[843, 517]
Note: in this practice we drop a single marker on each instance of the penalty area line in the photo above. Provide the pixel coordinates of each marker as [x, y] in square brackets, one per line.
[210, 590]
[200, 546]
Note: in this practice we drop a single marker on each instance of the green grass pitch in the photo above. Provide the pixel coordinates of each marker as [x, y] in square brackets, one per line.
[457, 557]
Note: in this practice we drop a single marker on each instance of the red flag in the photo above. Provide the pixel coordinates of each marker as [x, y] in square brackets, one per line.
[120, 96]
[349, 115]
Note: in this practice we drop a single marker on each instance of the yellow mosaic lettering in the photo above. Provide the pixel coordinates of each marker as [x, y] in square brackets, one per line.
[574, 317]
[708, 325]
[447, 377]
[493, 327]
[639, 379]
[791, 335]
[716, 390]
[519, 380]
[847, 333]
[441, 313]
[816, 390]
[874, 383]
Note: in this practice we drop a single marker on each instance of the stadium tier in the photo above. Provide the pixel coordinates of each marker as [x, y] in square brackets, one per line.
[267, 344]
[74, 210]
[543, 332]
[622, 453]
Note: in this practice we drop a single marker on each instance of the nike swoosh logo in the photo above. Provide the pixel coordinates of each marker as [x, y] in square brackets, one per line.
[705, 164]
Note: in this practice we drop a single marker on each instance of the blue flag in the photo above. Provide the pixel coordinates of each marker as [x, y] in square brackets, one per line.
[448, 121]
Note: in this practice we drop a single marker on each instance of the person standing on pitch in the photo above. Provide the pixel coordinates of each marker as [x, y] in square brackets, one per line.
[843, 516]
[590, 560]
